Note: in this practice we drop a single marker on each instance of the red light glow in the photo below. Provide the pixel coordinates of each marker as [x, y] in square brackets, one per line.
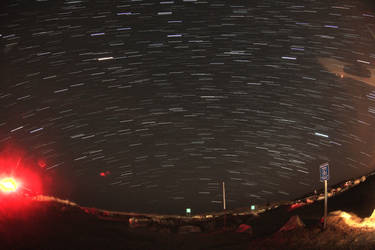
[42, 163]
[104, 174]
[8, 185]
[14, 166]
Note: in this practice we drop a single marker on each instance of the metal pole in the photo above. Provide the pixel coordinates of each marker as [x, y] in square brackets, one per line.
[325, 204]
[224, 200]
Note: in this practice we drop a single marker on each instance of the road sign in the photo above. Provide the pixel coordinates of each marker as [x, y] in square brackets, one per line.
[324, 172]
[324, 177]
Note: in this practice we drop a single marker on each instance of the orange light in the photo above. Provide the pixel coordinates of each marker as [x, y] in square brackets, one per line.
[8, 185]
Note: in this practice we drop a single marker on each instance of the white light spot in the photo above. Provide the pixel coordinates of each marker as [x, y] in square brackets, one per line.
[98, 34]
[13, 130]
[321, 135]
[288, 58]
[105, 58]
[36, 130]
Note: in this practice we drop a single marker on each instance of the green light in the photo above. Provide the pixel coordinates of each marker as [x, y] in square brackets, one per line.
[188, 210]
[252, 207]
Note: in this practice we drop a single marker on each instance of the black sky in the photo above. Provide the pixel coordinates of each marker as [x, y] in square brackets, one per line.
[173, 97]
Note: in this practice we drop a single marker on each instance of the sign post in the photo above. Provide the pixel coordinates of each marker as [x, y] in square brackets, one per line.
[324, 176]
[224, 200]
[224, 205]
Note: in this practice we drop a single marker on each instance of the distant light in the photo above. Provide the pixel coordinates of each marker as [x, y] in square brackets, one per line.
[126, 28]
[42, 163]
[124, 13]
[188, 211]
[322, 135]
[331, 26]
[35, 130]
[105, 58]
[18, 128]
[104, 174]
[361, 61]
[288, 58]
[8, 185]
[252, 207]
[98, 34]
[165, 13]
[174, 35]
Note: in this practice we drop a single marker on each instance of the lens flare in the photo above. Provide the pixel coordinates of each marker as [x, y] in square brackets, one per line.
[8, 185]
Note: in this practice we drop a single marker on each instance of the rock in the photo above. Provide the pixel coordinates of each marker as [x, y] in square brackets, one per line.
[309, 201]
[135, 222]
[158, 228]
[363, 178]
[209, 226]
[189, 229]
[296, 205]
[165, 230]
[293, 223]
[320, 197]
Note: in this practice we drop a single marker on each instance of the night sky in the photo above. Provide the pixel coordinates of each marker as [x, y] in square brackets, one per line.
[148, 106]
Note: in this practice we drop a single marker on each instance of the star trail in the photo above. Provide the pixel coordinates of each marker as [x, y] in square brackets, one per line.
[149, 105]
